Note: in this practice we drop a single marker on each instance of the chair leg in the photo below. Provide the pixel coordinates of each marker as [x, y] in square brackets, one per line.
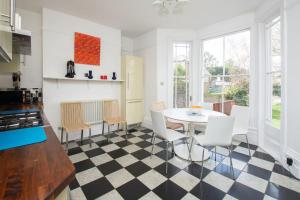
[62, 135]
[152, 137]
[118, 126]
[248, 145]
[230, 157]
[153, 140]
[167, 157]
[90, 136]
[67, 141]
[215, 153]
[173, 152]
[81, 137]
[202, 164]
[191, 145]
[186, 141]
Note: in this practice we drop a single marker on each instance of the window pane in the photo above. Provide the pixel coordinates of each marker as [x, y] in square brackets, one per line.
[212, 87]
[237, 53]
[236, 92]
[276, 46]
[181, 63]
[213, 57]
[276, 100]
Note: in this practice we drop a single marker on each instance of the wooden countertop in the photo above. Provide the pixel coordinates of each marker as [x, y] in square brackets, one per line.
[38, 171]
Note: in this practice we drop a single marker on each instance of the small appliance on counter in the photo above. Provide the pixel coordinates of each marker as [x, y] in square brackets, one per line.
[20, 96]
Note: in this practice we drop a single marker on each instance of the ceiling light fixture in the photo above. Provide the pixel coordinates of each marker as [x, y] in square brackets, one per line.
[169, 6]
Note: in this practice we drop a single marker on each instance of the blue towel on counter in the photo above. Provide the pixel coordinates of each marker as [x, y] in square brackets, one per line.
[21, 137]
[11, 112]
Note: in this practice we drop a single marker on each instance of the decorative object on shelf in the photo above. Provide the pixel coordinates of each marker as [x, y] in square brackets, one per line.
[70, 69]
[103, 77]
[114, 76]
[87, 49]
[16, 78]
[166, 7]
[90, 74]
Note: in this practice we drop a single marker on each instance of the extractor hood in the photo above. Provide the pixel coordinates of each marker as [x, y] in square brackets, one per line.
[21, 42]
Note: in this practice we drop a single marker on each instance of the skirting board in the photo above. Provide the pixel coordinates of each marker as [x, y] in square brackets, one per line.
[295, 169]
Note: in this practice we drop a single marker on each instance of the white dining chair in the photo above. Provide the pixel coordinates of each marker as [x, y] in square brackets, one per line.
[168, 135]
[241, 124]
[218, 133]
[161, 106]
[208, 106]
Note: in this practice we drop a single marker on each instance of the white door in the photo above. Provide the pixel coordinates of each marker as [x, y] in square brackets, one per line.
[181, 81]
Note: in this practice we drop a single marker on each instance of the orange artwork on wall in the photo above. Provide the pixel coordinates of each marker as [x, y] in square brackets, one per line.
[87, 49]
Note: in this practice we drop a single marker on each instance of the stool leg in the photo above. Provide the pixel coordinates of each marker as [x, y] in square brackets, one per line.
[103, 128]
[67, 141]
[62, 136]
[81, 137]
[126, 131]
[108, 133]
[90, 136]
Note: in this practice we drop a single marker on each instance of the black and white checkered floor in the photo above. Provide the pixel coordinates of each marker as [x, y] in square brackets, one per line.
[120, 170]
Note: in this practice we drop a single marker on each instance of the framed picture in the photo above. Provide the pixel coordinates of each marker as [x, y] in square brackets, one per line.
[87, 49]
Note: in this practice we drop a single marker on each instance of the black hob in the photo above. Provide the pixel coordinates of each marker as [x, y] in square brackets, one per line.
[20, 120]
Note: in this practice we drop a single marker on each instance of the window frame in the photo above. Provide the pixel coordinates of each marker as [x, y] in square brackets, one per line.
[270, 73]
[223, 76]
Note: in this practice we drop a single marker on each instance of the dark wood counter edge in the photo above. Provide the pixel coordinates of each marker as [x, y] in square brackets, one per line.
[55, 191]
[66, 181]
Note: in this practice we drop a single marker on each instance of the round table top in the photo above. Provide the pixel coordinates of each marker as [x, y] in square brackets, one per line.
[184, 115]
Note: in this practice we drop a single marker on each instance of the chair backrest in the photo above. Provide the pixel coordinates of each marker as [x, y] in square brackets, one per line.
[71, 113]
[159, 123]
[242, 116]
[206, 105]
[111, 109]
[158, 106]
[219, 130]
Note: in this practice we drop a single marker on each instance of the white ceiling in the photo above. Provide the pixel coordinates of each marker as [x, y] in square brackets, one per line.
[135, 17]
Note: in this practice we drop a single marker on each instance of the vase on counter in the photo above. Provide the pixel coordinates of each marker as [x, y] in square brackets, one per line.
[114, 76]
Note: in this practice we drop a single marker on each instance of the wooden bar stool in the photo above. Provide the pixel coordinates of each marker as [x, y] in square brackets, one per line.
[112, 116]
[72, 120]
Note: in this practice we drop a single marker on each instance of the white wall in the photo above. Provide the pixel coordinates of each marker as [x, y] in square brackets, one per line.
[127, 46]
[58, 48]
[292, 59]
[32, 68]
[145, 46]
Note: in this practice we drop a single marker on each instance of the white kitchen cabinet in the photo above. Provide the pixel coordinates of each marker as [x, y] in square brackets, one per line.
[134, 111]
[133, 89]
[6, 29]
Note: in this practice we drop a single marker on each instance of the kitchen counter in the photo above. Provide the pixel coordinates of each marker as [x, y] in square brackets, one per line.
[37, 171]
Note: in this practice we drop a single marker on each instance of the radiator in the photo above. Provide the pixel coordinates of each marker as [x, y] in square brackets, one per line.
[92, 111]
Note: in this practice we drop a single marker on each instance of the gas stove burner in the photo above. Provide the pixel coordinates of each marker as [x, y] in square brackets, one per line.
[20, 120]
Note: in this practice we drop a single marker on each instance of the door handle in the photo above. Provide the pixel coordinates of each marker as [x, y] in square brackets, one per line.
[134, 101]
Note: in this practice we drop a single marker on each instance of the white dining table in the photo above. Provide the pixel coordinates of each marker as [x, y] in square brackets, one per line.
[185, 116]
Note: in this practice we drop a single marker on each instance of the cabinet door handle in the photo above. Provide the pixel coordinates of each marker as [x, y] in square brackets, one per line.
[12, 14]
[128, 80]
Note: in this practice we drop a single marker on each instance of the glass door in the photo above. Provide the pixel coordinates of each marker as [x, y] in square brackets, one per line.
[181, 74]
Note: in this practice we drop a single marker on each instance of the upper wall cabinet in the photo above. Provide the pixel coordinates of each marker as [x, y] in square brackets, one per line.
[7, 19]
